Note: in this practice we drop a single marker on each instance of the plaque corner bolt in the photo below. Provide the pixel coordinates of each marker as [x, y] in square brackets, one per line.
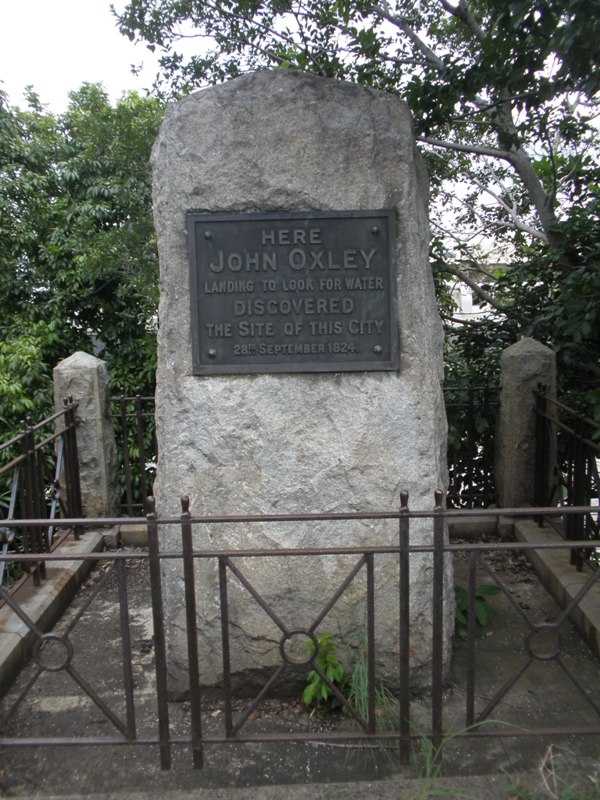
[208, 234]
[378, 349]
[375, 230]
[212, 353]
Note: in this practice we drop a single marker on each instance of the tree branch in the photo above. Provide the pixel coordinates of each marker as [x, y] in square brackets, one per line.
[463, 13]
[524, 168]
[491, 152]
[384, 11]
[512, 213]
[485, 296]
[472, 322]
[541, 200]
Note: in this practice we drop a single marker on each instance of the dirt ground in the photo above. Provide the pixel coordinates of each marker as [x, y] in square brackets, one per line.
[541, 694]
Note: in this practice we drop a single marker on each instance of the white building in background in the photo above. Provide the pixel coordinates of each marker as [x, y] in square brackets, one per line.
[467, 306]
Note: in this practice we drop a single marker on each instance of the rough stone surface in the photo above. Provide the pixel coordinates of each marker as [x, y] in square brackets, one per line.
[287, 141]
[524, 365]
[85, 378]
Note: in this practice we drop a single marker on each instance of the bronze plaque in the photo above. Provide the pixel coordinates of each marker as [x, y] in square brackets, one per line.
[293, 292]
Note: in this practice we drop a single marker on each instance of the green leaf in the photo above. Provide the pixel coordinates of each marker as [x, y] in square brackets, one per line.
[488, 589]
[460, 616]
[481, 613]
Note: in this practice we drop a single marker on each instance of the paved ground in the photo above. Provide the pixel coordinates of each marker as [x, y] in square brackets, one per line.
[505, 768]
[495, 787]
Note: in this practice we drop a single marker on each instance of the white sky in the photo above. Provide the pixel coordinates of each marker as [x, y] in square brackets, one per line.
[56, 45]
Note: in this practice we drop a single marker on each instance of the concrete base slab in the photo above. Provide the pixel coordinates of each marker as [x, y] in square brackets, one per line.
[134, 535]
[492, 787]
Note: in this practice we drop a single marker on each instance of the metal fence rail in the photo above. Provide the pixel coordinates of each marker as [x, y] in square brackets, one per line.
[576, 476]
[39, 474]
[133, 418]
[55, 652]
[471, 411]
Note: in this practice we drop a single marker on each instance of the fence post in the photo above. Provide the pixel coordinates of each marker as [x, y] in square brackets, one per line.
[32, 492]
[187, 547]
[404, 632]
[524, 366]
[85, 378]
[125, 454]
[158, 621]
[543, 448]
[437, 651]
[578, 497]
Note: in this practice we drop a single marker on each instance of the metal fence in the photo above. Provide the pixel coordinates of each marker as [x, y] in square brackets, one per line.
[471, 412]
[39, 478]
[572, 440]
[483, 714]
[133, 419]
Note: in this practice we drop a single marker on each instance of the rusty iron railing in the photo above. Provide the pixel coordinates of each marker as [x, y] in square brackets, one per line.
[133, 419]
[576, 470]
[483, 709]
[471, 411]
[39, 473]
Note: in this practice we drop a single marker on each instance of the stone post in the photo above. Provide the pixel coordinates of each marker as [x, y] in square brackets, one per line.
[524, 366]
[85, 378]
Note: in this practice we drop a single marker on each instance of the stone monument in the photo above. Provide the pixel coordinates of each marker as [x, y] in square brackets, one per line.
[300, 353]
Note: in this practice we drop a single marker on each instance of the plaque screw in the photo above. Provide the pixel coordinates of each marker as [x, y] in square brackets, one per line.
[212, 353]
[375, 230]
[378, 349]
[208, 234]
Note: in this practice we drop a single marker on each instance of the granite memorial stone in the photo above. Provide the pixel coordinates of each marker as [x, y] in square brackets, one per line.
[300, 356]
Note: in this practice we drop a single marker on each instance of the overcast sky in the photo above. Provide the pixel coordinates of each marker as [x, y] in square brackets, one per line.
[56, 45]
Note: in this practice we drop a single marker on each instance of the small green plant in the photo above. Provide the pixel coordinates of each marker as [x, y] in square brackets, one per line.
[483, 610]
[386, 704]
[317, 692]
[429, 768]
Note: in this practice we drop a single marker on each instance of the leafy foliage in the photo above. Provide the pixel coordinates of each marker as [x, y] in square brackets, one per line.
[472, 413]
[504, 98]
[25, 384]
[317, 692]
[482, 609]
[78, 265]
